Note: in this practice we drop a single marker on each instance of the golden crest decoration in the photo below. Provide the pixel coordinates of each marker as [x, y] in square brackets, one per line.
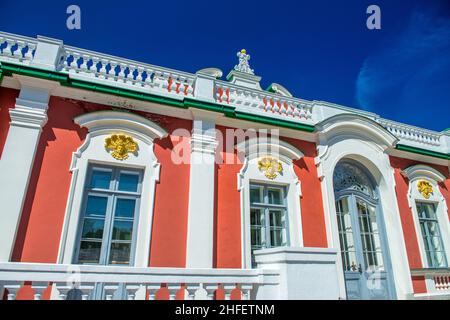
[120, 145]
[271, 167]
[425, 188]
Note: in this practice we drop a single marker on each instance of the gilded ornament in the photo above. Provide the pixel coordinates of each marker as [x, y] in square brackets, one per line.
[425, 188]
[271, 167]
[120, 145]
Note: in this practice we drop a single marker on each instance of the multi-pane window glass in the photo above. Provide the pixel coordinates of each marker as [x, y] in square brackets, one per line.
[267, 216]
[370, 236]
[109, 216]
[348, 249]
[431, 235]
[361, 233]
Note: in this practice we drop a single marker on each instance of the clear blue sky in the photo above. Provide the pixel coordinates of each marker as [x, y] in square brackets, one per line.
[318, 49]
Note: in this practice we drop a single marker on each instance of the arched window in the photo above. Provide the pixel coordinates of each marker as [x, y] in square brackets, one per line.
[430, 215]
[110, 205]
[270, 197]
[363, 251]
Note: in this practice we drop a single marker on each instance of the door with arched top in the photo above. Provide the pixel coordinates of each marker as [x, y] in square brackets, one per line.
[364, 253]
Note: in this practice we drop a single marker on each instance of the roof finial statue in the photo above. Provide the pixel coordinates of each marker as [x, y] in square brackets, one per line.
[243, 65]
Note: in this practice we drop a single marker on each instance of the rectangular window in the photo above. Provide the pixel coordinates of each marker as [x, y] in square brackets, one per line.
[431, 235]
[111, 200]
[267, 216]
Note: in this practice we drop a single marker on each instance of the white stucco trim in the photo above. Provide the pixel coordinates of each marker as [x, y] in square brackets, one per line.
[254, 149]
[28, 117]
[352, 125]
[363, 140]
[101, 124]
[200, 226]
[414, 174]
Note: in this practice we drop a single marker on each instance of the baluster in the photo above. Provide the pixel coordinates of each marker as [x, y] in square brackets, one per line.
[65, 62]
[121, 74]
[210, 289]
[86, 290]
[112, 71]
[74, 64]
[9, 45]
[191, 289]
[39, 288]
[63, 289]
[131, 291]
[148, 80]
[13, 287]
[173, 289]
[190, 87]
[110, 289]
[130, 76]
[228, 288]
[93, 67]
[152, 290]
[18, 52]
[296, 112]
[103, 72]
[245, 291]
[140, 70]
[83, 65]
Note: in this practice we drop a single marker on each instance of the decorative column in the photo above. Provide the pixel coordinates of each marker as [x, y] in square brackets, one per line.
[201, 192]
[27, 119]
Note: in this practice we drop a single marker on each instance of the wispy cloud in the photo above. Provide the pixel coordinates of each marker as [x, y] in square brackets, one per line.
[415, 63]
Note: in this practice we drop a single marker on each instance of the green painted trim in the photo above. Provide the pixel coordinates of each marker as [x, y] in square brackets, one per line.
[424, 152]
[10, 68]
[210, 106]
[269, 89]
[275, 122]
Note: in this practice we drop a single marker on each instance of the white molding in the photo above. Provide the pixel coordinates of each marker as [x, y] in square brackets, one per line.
[200, 226]
[366, 145]
[423, 171]
[102, 124]
[414, 174]
[27, 119]
[249, 173]
[352, 125]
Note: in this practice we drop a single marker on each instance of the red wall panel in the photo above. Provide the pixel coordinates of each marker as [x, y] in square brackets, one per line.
[7, 101]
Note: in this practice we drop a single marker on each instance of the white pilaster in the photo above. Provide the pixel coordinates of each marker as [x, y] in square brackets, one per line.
[27, 119]
[201, 193]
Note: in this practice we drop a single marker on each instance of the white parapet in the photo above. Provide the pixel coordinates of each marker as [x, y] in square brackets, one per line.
[305, 273]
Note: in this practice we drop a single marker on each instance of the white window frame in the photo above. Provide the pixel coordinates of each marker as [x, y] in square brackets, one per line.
[255, 149]
[414, 174]
[266, 207]
[109, 214]
[101, 125]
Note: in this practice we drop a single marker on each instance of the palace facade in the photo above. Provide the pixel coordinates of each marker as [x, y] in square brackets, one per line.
[125, 180]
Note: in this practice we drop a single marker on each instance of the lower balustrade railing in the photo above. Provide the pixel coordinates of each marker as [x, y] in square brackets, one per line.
[437, 280]
[134, 282]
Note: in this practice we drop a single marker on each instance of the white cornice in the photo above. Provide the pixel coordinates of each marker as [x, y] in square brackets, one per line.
[351, 124]
[423, 171]
[117, 120]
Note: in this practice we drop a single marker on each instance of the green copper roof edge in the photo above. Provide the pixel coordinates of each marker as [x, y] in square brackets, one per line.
[275, 122]
[421, 151]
